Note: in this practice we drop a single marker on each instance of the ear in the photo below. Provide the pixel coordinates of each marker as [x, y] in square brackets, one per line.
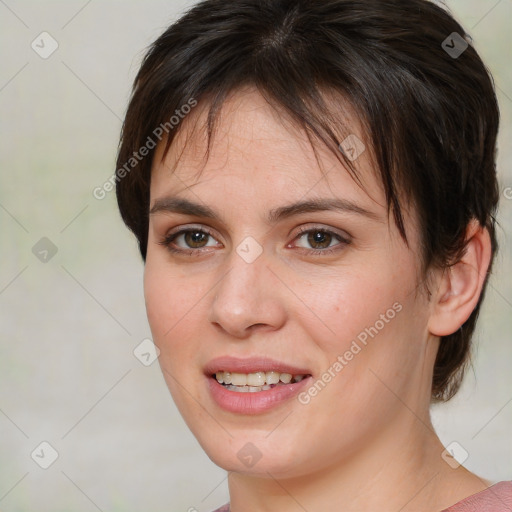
[460, 285]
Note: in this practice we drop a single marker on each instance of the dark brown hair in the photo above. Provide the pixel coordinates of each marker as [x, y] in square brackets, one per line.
[425, 99]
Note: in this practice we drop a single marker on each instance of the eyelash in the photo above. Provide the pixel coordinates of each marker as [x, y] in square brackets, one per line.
[167, 241]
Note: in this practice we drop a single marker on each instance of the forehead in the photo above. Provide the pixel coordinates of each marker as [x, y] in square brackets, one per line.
[258, 148]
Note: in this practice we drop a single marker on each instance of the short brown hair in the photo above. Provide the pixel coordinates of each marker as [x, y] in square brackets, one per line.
[425, 98]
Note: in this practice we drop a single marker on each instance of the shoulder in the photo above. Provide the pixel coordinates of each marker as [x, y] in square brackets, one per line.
[224, 508]
[497, 498]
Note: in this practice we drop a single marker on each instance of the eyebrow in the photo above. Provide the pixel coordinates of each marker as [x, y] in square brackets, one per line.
[187, 207]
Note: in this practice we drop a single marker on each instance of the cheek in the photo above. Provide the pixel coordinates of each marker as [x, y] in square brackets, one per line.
[172, 301]
[346, 305]
[360, 323]
[173, 305]
[157, 294]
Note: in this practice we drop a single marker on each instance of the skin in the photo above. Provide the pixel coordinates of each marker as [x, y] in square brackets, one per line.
[365, 442]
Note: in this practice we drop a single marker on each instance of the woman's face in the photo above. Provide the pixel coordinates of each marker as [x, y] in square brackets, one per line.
[258, 288]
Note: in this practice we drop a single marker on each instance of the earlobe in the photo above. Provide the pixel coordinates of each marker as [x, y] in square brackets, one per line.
[460, 285]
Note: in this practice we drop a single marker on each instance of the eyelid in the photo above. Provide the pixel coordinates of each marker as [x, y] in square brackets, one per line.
[182, 229]
[189, 227]
[343, 237]
[301, 230]
[343, 240]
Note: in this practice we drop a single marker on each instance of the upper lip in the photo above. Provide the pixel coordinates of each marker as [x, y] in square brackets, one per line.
[251, 365]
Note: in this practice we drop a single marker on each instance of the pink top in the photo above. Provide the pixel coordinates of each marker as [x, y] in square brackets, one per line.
[497, 498]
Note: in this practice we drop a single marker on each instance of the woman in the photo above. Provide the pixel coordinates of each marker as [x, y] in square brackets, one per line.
[312, 185]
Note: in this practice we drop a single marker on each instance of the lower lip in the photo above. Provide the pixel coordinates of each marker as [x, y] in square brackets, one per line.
[257, 402]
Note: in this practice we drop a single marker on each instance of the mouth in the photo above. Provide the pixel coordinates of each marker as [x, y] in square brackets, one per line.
[255, 381]
[253, 385]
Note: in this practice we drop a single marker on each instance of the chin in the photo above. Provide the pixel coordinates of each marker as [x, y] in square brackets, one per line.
[258, 458]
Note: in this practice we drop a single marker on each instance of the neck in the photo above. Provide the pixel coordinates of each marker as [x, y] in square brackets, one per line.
[402, 471]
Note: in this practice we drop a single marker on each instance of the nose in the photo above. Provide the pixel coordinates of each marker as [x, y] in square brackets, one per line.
[247, 298]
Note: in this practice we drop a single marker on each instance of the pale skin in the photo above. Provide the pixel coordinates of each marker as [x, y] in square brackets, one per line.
[365, 442]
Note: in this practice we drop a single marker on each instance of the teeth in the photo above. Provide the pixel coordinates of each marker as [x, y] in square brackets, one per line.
[256, 379]
[252, 382]
[285, 377]
[239, 379]
[248, 389]
[272, 377]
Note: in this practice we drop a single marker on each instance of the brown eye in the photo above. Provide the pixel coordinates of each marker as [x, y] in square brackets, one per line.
[188, 240]
[195, 238]
[321, 241]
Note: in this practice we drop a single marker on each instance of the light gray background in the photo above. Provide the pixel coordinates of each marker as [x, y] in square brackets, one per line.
[69, 326]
